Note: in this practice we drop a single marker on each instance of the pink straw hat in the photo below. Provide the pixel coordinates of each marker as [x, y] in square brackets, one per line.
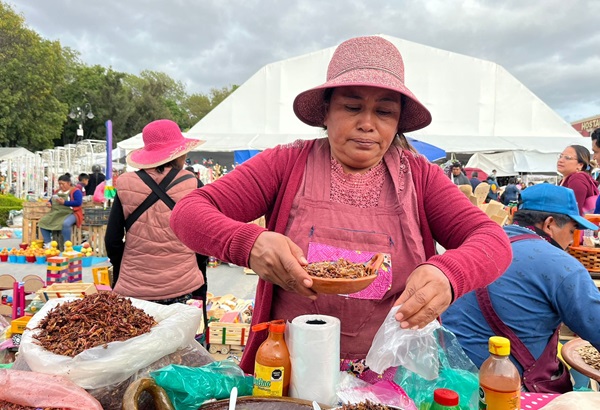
[364, 61]
[163, 142]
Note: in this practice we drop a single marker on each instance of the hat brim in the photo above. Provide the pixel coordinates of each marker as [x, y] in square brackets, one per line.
[309, 105]
[583, 223]
[143, 158]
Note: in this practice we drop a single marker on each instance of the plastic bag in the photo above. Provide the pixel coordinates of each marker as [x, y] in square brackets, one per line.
[111, 396]
[189, 387]
[352, 390]
[102, 366]
[415, 350]
[44, 390]
[456, 372]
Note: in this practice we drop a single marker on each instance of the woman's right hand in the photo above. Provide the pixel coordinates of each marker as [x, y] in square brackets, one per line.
[49, 204]
[276, 259]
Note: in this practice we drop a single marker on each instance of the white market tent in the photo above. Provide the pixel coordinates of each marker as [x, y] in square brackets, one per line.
[477, 107]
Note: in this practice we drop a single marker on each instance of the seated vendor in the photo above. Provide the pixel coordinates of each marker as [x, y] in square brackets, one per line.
[65, 210]
[543, 287]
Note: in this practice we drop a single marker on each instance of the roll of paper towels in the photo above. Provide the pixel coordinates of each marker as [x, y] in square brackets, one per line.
[314, 345]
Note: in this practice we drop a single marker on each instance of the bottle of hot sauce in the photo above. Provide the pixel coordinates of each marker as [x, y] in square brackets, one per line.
[272, 367]
[499, 379]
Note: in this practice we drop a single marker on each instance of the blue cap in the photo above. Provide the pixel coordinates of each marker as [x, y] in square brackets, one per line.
[555, 200]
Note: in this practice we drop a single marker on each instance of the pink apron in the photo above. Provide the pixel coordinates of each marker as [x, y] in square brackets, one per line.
[326, 231]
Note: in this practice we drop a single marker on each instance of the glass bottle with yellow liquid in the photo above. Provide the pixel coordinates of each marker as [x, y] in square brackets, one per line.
[499, 379]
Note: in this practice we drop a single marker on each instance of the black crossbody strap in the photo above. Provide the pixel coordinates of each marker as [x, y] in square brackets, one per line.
[178, 180]
[153, 197]
[157, 189]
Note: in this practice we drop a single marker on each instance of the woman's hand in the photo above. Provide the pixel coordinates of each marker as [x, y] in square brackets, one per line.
[61, 201]
[426, 296]
[276, 259]
[49, 204]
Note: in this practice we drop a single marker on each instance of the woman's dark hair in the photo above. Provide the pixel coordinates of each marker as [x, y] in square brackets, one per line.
[583, 157]
[525, 217]
[595, 135]
[512, 180]
[170, 164]
[65, 178]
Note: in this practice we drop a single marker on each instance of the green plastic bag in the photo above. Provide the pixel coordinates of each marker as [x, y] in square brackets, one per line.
[456, 372]
[189, 387]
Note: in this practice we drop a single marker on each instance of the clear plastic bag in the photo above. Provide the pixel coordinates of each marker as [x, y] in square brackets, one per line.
[352, 390]
[415, 350]
[189, 387]
[456, 372]
[103, 366]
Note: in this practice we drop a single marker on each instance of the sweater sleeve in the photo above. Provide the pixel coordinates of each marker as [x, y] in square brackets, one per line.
[477, 249]
[77, 198]
[113, 239]
[223, 208]
[579, 185]
[577, 300]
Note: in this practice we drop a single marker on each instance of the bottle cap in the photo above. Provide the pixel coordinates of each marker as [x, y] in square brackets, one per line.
[275, 326]
[499, 346]
[445, 397]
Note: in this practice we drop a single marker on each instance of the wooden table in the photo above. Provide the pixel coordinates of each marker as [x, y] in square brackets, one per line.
[571, 356]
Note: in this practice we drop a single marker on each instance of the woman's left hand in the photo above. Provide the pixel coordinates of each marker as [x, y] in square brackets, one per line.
[426, 296]
[61, 201]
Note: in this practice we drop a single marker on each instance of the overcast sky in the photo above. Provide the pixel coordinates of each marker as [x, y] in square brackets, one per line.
[552, 46]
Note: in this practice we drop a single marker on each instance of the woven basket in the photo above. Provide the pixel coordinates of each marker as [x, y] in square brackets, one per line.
[589, 257]
[96, 216]
[34, 210]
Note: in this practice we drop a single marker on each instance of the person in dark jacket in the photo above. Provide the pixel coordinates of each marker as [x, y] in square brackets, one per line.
[474, 180]
[511, 192]
[457, 176]
[95, 178]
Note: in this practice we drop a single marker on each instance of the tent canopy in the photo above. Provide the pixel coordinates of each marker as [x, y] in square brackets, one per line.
[14, 152]
[477, 106]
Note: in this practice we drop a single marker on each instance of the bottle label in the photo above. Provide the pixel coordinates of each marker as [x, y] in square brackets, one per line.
[268, 381]
[496, 400]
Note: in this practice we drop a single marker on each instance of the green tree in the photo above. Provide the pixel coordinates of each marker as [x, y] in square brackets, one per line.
[198, 105]
[31, 72]
[108, 98]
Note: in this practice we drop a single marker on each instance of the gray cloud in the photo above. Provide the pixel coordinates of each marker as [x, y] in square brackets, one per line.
[551, 46]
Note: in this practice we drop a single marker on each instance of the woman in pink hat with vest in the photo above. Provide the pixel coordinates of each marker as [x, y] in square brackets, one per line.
[152, 264]
[361, 190]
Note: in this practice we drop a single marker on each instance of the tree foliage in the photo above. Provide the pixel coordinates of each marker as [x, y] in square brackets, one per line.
[31, 73]
[41, 83]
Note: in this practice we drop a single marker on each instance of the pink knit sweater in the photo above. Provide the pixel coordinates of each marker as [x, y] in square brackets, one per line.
[213, 221]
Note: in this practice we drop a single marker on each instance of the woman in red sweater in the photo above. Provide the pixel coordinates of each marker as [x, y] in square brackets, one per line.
[574, 165]
[357, 192]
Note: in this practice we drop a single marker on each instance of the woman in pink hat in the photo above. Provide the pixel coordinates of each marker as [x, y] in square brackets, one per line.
[152, 263]
[357, 192]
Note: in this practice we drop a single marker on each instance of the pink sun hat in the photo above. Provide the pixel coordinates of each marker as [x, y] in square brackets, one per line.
[163, 142]
[364, 61]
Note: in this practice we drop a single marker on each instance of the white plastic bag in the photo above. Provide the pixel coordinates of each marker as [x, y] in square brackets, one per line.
[99, 366]
[415, 350]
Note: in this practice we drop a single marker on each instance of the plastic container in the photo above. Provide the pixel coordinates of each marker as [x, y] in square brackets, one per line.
[40, 259]
[499, 379]
[4, 257]
[21, 259]
[87, 261]
[272, 368]
[30, 258]
[12, 258]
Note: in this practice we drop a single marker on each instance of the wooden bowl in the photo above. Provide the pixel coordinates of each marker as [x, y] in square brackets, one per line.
[339, 286]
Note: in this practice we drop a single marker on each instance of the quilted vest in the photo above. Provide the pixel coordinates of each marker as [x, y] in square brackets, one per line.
[155, 265]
